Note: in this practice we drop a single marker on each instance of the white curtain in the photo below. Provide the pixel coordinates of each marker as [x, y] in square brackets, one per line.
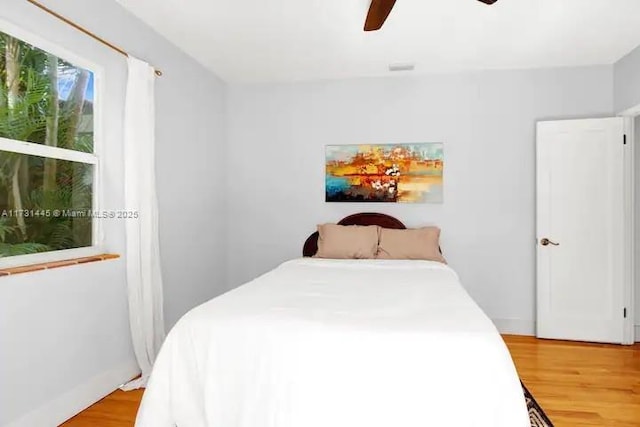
[144, 279]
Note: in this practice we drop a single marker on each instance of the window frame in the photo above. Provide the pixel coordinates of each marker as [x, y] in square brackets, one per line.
[30, 148]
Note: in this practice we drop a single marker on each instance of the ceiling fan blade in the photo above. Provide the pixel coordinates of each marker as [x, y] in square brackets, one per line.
[378, 12]
[488, 1]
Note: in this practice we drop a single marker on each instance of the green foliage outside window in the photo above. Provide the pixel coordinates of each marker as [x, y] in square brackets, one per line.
[44, 100]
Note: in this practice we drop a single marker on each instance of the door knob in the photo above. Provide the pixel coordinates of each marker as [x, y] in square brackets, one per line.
[547, 242]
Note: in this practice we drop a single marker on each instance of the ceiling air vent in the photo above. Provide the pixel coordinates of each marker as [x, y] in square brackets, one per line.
[402, 67]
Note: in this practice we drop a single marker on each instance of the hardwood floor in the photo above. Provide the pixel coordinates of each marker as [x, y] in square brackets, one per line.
[577, 385]
[116, 410]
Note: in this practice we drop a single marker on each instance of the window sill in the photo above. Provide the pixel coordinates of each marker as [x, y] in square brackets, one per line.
[55, 264]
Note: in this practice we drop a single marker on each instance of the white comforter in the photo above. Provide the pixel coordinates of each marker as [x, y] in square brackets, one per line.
[337, 343]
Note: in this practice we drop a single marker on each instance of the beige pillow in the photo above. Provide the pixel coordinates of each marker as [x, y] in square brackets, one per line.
[347, 241]
[418, 243]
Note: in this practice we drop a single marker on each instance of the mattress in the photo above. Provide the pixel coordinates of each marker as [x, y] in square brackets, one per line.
[339, 343]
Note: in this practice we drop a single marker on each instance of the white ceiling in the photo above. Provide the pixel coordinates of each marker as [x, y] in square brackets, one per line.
[284, 40]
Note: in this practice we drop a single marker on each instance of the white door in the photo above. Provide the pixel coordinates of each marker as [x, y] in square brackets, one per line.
[580, 230]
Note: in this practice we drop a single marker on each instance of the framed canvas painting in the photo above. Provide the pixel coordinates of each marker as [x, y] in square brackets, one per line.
[391, 173]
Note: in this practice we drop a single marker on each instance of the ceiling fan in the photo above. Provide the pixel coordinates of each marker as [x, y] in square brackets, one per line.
[380, 9]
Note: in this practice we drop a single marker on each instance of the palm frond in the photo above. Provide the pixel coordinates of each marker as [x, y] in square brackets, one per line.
[15, 249]
[5, 229]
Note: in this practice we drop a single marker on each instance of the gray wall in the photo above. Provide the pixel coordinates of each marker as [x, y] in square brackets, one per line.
[487, 122]
[64, 334]
[627, 81]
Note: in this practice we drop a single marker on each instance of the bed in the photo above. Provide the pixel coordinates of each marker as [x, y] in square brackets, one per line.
[337, 343]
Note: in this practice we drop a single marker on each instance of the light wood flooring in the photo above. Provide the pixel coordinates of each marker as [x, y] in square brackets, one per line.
[577, 385]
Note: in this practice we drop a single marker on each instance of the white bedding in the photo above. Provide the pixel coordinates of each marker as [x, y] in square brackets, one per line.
[337, 343]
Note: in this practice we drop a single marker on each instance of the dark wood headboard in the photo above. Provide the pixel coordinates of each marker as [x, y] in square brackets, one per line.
[385, 221]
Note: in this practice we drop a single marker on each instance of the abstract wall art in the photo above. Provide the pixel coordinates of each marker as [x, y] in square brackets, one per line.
[392, 173]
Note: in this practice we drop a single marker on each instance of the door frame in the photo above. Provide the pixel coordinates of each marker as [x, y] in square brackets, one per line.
[630, 334]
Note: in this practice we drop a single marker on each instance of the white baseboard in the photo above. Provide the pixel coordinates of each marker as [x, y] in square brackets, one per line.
[515, 326]
[528, 327]
[76, 400]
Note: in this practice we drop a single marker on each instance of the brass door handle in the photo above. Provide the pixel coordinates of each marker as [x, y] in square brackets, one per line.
[547, 242]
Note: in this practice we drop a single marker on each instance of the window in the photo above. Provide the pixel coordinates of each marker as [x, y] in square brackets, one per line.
[47, 159]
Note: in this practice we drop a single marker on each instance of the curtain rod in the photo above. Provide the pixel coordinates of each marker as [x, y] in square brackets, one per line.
[85, 31]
